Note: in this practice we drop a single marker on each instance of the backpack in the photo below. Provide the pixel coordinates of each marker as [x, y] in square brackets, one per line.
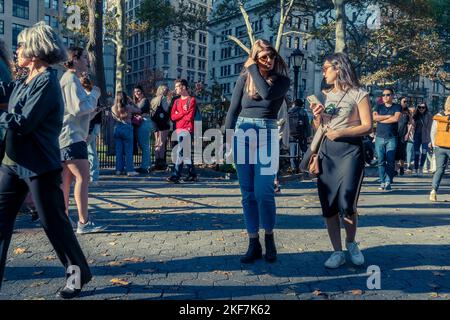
[296, 123]
[161, 117]
[442, 138]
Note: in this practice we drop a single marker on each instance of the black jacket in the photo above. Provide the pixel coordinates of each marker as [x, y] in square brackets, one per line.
[33, 121]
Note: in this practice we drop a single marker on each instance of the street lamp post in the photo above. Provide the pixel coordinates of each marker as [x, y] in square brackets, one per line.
[296, 60]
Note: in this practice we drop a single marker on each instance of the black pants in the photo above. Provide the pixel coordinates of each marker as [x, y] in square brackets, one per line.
[49, 200]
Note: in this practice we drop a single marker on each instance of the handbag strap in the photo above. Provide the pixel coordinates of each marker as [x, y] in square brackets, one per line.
[325, 134]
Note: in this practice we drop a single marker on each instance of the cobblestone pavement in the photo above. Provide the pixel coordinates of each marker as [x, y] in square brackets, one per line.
[184, 242]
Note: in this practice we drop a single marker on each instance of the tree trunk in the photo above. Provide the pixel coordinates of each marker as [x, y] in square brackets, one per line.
[120, 50]
[339, 6]
[95, 45]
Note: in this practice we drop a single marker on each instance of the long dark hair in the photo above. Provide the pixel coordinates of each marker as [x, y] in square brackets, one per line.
[139, 87]
[4, 56]
[121, 102]
[73, 52]
[417, 114]
[347, 78]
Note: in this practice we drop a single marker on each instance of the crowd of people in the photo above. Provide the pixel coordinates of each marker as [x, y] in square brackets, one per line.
[49, 126]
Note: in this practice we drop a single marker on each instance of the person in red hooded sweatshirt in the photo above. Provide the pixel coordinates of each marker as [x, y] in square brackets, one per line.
[183, 114]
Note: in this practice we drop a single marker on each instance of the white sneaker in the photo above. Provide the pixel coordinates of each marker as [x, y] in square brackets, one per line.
[89, 227]
[132, 174]
[433, 195]
[355, 254]
[336, 260]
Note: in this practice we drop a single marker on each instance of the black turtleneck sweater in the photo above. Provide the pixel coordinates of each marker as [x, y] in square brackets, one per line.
[265, 107]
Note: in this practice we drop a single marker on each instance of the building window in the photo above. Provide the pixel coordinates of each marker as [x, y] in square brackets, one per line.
[201, 77]
[180, 45]
[241, 31]
[191, 50]
[288, 42]
[47, 19]
[202, 37]
[213, 73]
[190, 76]
[191, 35]
[141, 50]
[225, 71]
[202, 65]
[2, 6]
[166, 44]
[2, 27]
[54, 23]
[202, 51]
[191, 63]
[238, 68]
[135, 52]
[180, 60]
[179, 73]
[16, 29]
[51, 4]
[130, 54]
[214, 55]
[225, 53]
[305, 65]
[166, 58]
[148, 47]
[21, 9]
[297, 43]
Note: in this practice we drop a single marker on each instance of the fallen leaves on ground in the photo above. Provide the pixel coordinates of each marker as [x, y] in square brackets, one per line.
[119, 282]
[115, 264]
[37, 284]
[105, 254]
[18, 251]
[49, 258]
[37, 273]
[318, 293]
[112, 243]
[225, 273]
[133, 259]
[357, 292]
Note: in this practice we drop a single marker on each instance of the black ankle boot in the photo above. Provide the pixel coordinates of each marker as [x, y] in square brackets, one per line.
[254, 251]
[271, 251]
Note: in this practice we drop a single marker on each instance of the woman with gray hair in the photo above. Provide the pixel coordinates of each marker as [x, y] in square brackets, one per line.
[32, 158]
[161, 117]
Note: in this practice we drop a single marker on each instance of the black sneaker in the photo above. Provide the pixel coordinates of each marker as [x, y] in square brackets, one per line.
[190, 179]
[68, 293]
[173, 179]
[34, 216]
[402, 171]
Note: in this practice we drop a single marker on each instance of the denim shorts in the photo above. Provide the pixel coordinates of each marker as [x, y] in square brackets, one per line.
[75, 151]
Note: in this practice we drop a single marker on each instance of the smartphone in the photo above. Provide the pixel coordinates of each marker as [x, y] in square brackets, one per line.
[313, 100]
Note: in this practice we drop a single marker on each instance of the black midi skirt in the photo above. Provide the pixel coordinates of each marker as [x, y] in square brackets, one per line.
[341, 174]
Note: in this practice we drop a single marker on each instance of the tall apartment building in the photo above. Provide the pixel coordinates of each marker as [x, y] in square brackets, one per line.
[169, 57]
[227, 59]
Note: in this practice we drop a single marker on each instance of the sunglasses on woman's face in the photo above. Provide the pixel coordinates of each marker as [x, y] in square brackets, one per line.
[387, 94]
[266, 57]
[422, 107]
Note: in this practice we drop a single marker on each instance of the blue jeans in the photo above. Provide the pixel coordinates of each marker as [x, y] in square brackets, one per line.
[256, 174]
[385, 149]
[409, 152]
[123, 138]
[442, 159]
[420, 152]
[92, 153]
[180, 161]
[144, 132]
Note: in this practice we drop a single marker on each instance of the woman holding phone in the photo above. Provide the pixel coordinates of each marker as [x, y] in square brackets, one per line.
[257, 98]
[347, 117]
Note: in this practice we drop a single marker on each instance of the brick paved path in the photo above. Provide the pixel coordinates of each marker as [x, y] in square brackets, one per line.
[184, 242]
